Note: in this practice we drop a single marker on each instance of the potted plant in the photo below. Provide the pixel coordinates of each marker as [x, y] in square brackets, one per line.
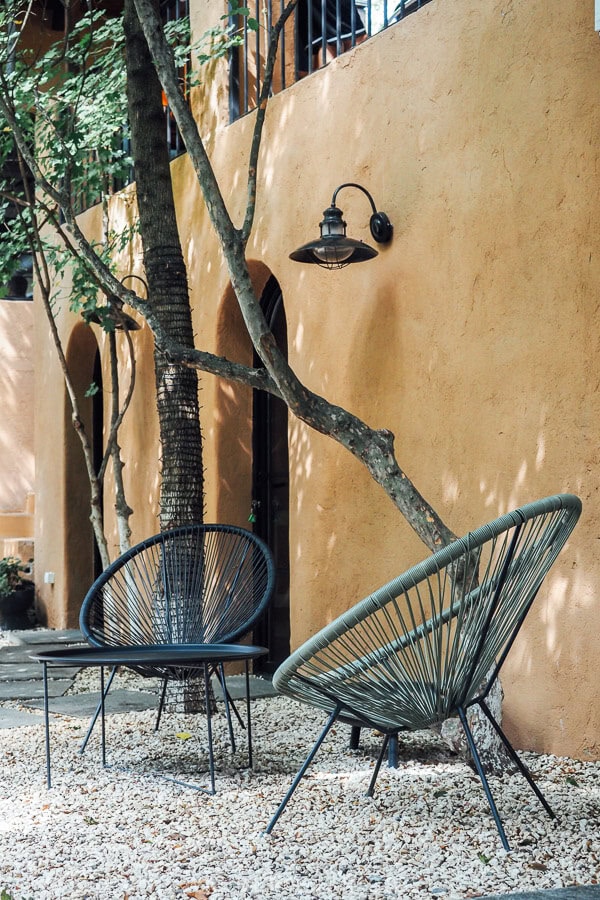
[16, 595]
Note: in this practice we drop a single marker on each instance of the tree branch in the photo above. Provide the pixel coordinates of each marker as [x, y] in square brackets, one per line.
[260, 118]
[375, 449]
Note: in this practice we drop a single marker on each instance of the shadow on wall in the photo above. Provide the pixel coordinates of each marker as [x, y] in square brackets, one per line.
[232, 425]
[470, 340]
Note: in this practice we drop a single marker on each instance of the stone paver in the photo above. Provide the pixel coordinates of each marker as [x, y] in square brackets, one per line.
[15, 718]
[48, 636]
[21, 678]
[32, 671]
[236, 685]
[84, 705]
[15, 654]
[33, 690]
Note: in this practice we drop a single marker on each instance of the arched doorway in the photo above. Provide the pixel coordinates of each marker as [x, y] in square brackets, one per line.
[270, 489]
[82, 562]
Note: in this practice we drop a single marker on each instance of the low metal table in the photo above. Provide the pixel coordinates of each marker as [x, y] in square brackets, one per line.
[178, 657]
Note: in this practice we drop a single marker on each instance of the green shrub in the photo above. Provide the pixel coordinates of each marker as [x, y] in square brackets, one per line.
[11, 579]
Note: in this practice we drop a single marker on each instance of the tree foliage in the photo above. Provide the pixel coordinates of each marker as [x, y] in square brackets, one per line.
[63, 114]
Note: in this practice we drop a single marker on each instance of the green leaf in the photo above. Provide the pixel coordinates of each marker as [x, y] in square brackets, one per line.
[92, 390]
[570, 779]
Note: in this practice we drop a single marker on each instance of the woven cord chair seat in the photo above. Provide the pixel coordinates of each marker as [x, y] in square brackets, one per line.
[200, 584]
[194, 585]
[430, 643]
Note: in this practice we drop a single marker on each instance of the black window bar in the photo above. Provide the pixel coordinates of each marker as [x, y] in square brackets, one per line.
[171, 11]
[319, 31]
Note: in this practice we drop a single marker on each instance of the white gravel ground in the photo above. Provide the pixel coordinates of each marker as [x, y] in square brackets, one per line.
[105, 834]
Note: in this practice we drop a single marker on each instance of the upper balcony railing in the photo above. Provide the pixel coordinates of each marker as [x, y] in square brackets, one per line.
[317, 31]
[116, 180]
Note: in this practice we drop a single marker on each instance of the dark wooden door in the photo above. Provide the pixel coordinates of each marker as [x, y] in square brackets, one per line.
[270, 495]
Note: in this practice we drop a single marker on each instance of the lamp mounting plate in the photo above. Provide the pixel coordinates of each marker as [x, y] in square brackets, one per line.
[381, 228]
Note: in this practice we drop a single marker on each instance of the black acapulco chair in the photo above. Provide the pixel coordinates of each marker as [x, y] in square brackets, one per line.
[429, 644]
[198, 584]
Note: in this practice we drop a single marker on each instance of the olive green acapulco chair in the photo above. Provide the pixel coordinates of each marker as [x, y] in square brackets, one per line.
[429, 644]
[198, 584]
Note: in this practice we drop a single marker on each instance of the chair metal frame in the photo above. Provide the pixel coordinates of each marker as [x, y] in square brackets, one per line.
[196, 584]
[429, 644]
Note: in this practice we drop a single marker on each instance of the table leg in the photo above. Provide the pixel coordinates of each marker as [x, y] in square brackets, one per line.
[94, 718]
[102, 718]
[248, 716]
[227, 707]
[211, 761]
[47, 726]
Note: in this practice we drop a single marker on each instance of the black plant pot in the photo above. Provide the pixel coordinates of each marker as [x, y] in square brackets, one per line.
[16, 610]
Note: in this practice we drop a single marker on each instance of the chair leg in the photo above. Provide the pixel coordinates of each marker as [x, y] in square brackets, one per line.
[482, 775]
[330, 722]
[518, 762]
[354, 737]
[393, 754]
[94, 718]
[229, 702]
[226, 701]
[248, 716]
[102, 715]
[161, 703]
[371, 788]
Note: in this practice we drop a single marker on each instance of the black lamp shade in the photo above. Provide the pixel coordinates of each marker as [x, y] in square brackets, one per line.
[333, 250]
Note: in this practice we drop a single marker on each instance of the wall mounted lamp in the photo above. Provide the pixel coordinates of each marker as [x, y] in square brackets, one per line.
[333, 250]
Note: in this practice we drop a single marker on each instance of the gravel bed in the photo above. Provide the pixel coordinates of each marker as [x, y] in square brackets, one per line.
[107, 834]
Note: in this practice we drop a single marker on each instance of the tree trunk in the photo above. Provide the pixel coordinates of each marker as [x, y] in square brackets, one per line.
[182, 477]
[493, 754]
[181, 498]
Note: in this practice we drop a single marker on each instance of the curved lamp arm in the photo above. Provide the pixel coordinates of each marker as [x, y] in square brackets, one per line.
[380, 225]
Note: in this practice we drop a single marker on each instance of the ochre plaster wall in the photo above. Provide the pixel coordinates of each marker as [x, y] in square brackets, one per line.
[473, 336]
[17, 469]
[62, 528]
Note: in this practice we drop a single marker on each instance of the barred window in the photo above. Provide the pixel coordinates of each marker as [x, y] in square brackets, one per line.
[318, 31]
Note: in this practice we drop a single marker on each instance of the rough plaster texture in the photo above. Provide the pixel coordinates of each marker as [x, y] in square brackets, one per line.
[473, 336]
[16, 421]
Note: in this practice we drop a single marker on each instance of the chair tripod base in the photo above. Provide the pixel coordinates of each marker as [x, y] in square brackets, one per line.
[390, 743]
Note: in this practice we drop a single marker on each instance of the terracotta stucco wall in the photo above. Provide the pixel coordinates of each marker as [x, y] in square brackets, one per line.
[64, 542]
[16, 423]
[473, 336]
